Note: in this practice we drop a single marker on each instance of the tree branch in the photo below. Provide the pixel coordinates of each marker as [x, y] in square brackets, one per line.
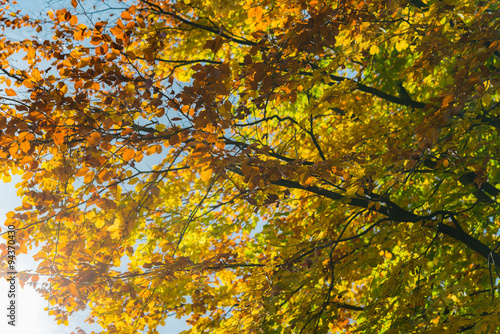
[469, 241]
[216, 31]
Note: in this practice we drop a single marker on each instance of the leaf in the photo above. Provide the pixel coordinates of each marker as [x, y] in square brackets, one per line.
[126, 16]
[401, 45]
[10, 92]
[352, 190]
[284, 166]
[59, 138]
[100, 223]
[104, 175]
[374, 49]
[486, 99]
[206, 174]
[25, 146]
[447, 100]
[94, 138]
[128, 154]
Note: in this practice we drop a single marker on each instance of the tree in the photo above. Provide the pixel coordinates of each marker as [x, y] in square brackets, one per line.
[260, 166]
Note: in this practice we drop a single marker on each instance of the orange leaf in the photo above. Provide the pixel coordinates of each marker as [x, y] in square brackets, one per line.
[104, 175]
[128, 154]
[82, 171]
[446, 101]
[10, 92]
[206, 174]
[25, 146]
[126, 16]
[94, 139]
[139, 156]
[59, 138]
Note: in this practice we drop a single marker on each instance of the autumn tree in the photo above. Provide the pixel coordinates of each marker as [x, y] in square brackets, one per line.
[259, 166]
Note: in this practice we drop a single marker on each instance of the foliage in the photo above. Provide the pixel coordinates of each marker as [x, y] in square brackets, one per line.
[259, 166]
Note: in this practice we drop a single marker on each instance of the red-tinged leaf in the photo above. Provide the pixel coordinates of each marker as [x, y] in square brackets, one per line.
[220, 88]
[130, 250]
[74, 3]
[174, 139]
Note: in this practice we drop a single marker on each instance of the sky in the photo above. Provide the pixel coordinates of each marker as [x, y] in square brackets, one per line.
[30, 314]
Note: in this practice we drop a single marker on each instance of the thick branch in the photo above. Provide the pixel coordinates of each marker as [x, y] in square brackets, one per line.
[469, 241]
[376, 92]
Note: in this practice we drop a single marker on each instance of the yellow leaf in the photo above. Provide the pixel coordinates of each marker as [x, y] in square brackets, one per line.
[6, 178]
[487, 99]
[374, 49]
[308, 181]
[151, 150]
[401, 45]
[352, 190]
[206, 174]
[64, 89]
[89, 177]
[130, 88]
[115, 226]
[99, 223]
